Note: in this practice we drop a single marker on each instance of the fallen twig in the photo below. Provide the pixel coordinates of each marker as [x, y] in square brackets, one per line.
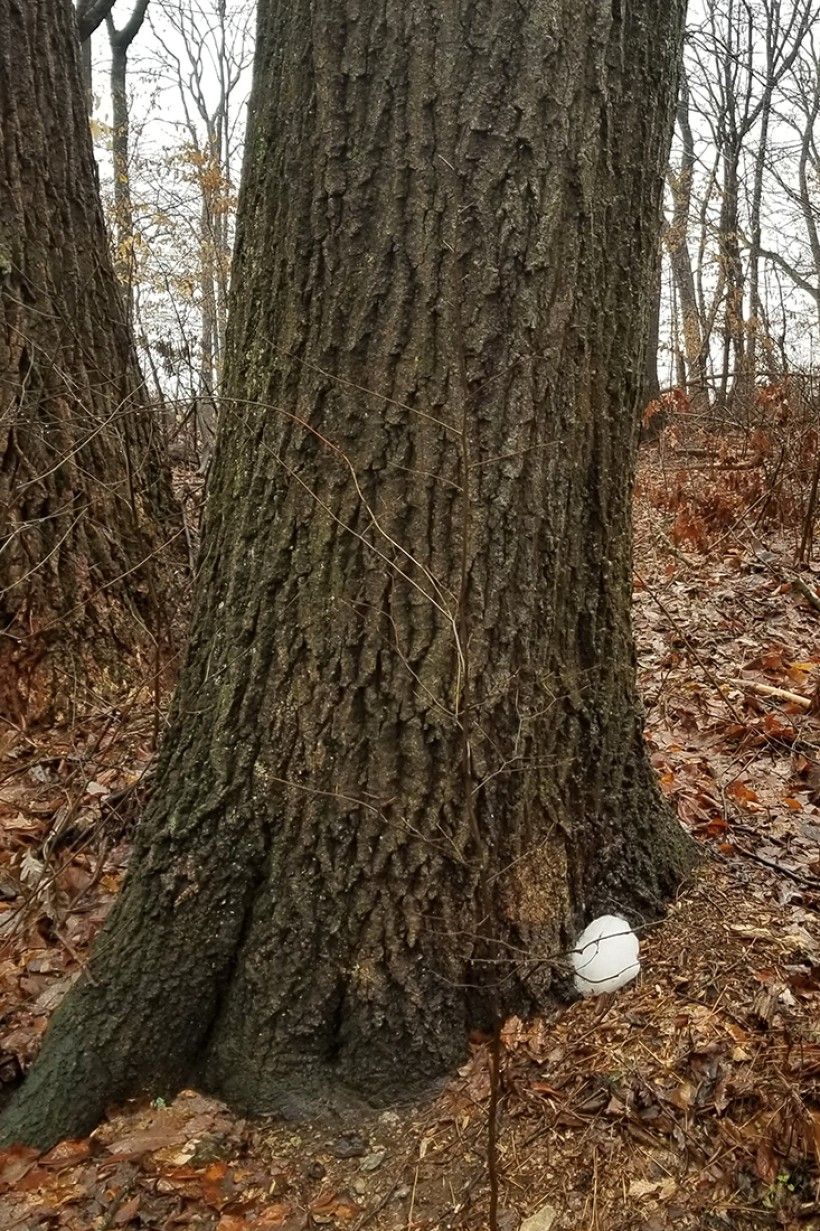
[805, 589]
[783, 869]
[769, 690]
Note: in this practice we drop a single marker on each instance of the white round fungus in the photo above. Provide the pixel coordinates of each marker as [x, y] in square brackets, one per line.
[605, 956]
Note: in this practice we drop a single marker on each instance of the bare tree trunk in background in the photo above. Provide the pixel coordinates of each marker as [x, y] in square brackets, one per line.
[90, 14]
[803, 120]
[733, 41]
[784, 34]
[210, 118]
[676, 237]
[808, 175]
[756, 319]
[87, 70]
[120, 41]
[83, 484]
[210, 359]
[652, 384]
[654, 419]
[407, 758]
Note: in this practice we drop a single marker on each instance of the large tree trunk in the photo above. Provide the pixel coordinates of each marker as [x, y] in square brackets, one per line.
[81, 472]
[406, 759]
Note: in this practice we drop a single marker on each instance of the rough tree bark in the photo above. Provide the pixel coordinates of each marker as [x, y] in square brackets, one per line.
[406, 758]
[82, 479]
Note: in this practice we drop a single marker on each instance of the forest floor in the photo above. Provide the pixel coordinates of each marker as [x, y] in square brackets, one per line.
[690, 1099]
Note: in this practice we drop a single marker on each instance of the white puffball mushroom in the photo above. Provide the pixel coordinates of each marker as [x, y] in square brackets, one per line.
[605, 956]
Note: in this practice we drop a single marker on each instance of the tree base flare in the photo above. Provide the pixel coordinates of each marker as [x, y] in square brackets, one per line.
[148, 1025]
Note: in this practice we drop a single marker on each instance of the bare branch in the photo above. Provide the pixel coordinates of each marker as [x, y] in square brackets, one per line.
[90, 14]
[122, 39]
